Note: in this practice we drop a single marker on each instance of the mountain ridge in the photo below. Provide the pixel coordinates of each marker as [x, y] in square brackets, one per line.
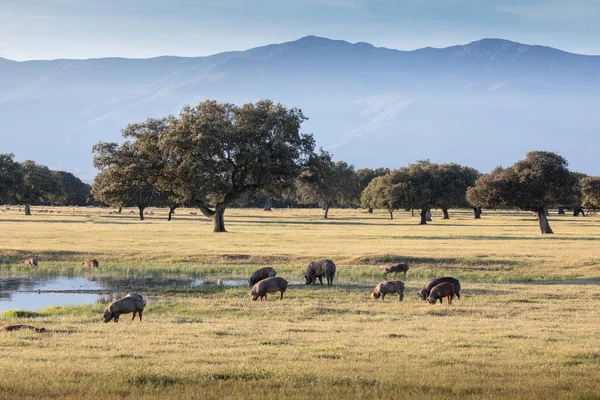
[314, 39]
[483, 103]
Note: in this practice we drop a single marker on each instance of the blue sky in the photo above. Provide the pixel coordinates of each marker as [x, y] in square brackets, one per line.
[49, 29]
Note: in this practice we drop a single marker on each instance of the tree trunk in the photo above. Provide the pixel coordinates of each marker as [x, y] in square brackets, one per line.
[119, 210]
[27, 209]
[391, 214]
[428, 215]
[577, 211]
[546, 212]
[477, 212]
[423, 217]
[412, 211]
[370, 210]
[543, 221]
[141, 213]
[219, 220]
[216, 215]
[267, 205]
[326, 208]
[561, 211]
[445, 211]
[171, 209]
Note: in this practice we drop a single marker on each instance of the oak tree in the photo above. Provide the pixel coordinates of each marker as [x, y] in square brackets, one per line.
[540, 181]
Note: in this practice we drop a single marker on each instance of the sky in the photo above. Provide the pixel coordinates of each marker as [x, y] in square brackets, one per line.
[51, 29]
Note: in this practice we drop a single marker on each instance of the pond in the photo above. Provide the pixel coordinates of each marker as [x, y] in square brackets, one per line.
[37, 292]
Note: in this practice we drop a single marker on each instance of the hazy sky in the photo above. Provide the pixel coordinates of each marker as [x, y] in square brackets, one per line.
[48, 29]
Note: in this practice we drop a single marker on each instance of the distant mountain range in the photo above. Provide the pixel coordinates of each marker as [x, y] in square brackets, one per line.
[481, 104]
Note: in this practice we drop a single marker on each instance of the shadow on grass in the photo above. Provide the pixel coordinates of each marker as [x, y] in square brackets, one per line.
[55, 221]
[567, 281]
[394, 258]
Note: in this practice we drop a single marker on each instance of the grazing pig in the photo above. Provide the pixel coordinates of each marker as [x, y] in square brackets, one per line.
[133, 302]
[440, 291]
[397, 268]
[389, 287]
[269, 285]
[317, 269]
[260, 274]
[18, 327]
[31, 261]
[424, 293]
[92, 263]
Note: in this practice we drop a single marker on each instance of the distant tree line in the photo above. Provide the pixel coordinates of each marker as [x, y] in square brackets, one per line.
[218, 155]
[29, 183]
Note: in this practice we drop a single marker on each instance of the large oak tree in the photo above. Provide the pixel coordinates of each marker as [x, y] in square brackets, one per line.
[223, 152]
[125, 177]
[452, 181]
[540, 181]
[384, 192]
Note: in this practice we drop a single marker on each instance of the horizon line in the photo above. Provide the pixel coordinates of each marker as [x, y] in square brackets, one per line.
[297, 40]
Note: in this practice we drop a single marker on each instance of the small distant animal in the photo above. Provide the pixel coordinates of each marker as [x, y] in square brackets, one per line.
[18, 327]
[131, 212]
[397, 268]
[269, 285]
[132, 302]
[58, 212]
[440, 291]
[31, 261]
[260, 274]
[193, 213]
[91, 263]
[424, 293]
[389, 287]
[318, 269]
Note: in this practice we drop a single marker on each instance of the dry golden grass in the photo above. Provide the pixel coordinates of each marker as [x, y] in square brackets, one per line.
[527, 326]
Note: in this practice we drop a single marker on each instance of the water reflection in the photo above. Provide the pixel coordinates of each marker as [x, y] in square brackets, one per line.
[37, 292]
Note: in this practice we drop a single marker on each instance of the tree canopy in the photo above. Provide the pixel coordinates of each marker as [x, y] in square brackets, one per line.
[327, 183]
[364, 176]
[384, 192]
[11, 178]
[590, 192]
[30, 183]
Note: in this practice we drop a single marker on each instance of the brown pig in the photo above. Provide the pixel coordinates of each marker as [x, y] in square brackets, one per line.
[440, 291]
[18, 327]
[424, 293]
[132, 302]
[91, 263]
[260, 274]
[389, 287]
[269, 285]
[31, 261]
[318, 269]
[397, 268]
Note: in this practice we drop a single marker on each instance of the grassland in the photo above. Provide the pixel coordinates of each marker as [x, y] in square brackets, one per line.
[528, 324]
